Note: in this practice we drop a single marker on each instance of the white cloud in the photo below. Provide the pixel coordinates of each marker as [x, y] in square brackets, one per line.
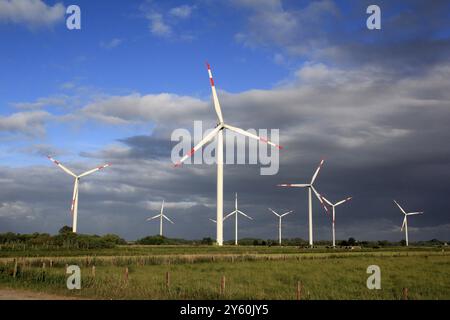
[296, 31]
[168, 23]
[111, 44]
[136, 108]
[42, 103]
[156, 205]
[15, 210]
[181, 12]
[29, 123]
[32, 13]
[157, 25]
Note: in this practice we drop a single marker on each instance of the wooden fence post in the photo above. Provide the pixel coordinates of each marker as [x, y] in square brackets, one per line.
[93, 271]
[299, 290]
[222, 285]
[15, 268]
[405, 293]
[43, 271]
[126, 274]
[167, 279]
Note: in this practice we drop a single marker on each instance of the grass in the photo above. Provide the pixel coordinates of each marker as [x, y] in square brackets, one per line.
[135, 250]
[251, 273]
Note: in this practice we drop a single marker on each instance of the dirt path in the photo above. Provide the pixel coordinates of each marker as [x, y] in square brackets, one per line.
[13, 294]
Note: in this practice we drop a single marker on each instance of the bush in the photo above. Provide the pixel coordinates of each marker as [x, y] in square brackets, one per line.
[65, 238]
[208, 241]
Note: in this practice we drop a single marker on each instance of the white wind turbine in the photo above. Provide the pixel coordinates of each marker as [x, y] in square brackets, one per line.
[405, 220]
[280, 216]
[236, 212]
[334, 215]
[161, 215]
[218, 131]
[74, 207]
[311, 189]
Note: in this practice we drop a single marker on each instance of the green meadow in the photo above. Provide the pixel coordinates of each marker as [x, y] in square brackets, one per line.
[243, 272]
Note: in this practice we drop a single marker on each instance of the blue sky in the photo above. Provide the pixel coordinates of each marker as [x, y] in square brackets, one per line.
[117, 53]
[115, 90]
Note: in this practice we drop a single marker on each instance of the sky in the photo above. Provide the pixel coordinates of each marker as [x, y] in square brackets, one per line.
[374, 104]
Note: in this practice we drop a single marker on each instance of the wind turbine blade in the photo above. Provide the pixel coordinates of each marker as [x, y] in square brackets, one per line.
[94, 170]
[403, 225]
[327, 201]
[290, 185]
[205, 140]
[285, 214]
[214, 94]
[164, 216]
[245, 215]
[229, 215]
[62, 167]
[251, 135]
[320, 198]
[317, 171]
[162, 207]
[399, 207]
[212, 220]
[413, 213]
[157, 216]
[274, 212]
[75, 195]
[343, 201]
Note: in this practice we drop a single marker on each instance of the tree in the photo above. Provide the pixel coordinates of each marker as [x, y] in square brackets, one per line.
[351, 241]
[208, 241]
[113, 238]
[65, 230]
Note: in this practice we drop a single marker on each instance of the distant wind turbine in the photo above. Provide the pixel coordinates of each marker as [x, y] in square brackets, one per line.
[405, 220]
[311, 189]
[236, 212]
[280, 216]
[161, 215]
[74, 206]
[334, 215]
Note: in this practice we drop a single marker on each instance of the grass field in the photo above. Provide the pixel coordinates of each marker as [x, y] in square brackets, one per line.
[250, 272]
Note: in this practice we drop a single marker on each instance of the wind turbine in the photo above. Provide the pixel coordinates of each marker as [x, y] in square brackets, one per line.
[218, 131]
[280, 216]
[334, 215]
[405, 220]
[161, 215]
[74, 207]
[311, 189]
[236, 212]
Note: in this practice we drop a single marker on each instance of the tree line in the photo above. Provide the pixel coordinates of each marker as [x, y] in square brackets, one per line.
[67, 239]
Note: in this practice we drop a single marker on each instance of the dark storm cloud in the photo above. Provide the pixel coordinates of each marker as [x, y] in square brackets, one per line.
[136, 147]
[414, 34]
